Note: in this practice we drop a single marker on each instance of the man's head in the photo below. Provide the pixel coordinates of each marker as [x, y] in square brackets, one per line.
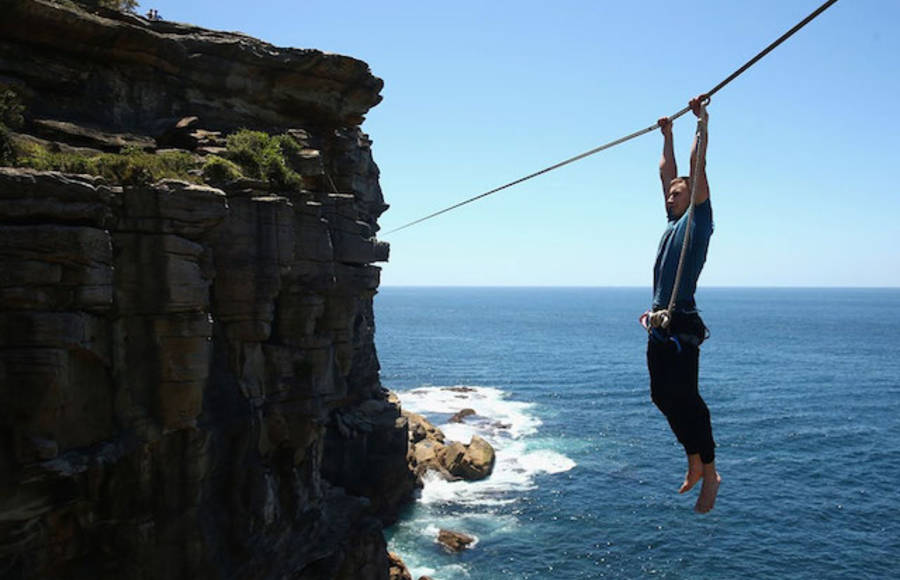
[679, 197]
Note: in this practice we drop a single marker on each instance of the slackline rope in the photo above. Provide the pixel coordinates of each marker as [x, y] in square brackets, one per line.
[644, 131]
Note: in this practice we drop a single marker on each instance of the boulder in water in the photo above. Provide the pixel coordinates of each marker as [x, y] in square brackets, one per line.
[397, 570]
[472, 462]
[454, 541]
[460, 415]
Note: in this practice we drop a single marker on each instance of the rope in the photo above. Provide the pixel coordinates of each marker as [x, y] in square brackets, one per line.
[535, 174]
[644, 131]
[331, 181]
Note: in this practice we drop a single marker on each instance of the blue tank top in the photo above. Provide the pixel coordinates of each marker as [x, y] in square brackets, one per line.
[670, 250]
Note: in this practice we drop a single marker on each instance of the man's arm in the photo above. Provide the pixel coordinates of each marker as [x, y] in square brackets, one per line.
[668, 170]
[698, 153]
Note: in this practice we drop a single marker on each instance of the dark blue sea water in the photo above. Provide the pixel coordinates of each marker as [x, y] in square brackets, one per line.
[804, 390]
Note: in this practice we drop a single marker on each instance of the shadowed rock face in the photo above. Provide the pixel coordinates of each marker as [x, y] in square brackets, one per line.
[119, 70]
[188, 380]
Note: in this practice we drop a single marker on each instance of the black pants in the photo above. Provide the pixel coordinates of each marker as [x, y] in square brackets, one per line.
[673, 388]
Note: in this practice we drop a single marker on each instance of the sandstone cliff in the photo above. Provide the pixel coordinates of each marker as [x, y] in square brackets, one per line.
[188, 380]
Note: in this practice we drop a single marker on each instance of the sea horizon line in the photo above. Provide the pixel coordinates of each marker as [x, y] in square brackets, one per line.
[634, 287]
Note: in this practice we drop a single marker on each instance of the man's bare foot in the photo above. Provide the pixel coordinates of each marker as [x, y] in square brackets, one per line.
[694, 473]
[709, 489]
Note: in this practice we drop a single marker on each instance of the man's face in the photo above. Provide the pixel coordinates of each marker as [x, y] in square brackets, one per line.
[678, 199]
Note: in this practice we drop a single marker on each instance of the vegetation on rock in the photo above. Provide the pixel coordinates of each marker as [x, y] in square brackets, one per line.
[263, 156]
[131, 167]
[252, 154]
[217, 170]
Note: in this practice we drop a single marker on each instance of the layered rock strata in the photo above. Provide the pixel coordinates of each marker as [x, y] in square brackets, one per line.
[188, 380]
[107, 66]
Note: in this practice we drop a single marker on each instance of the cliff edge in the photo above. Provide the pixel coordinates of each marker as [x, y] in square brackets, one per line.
[188, 380]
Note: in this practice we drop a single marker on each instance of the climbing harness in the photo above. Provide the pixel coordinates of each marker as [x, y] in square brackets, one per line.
[694, 335]
[644, 131]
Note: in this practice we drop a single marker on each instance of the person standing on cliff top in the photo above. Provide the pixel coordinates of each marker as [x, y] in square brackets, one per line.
[673, 353]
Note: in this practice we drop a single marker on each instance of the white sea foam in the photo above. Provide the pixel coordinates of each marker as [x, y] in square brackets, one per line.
[486, 492]
[450, 571]
[431, 530]
[546, 461]
[495, 414]
[504, 424]
[419, 571]
[476, 507]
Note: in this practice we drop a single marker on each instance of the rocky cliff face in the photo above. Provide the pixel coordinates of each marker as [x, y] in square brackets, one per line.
[188, 380]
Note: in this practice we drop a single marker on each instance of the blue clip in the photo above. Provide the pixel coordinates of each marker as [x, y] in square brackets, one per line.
[677, 343]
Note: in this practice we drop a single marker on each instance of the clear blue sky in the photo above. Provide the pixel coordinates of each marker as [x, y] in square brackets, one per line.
[803, 154]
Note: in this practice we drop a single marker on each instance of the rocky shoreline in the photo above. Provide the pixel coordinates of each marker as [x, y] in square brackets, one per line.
[452, 460]
[429, 450]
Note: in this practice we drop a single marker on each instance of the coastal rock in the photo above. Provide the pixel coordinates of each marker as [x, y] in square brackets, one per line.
[187, 134]
[189, 386]
[122, 74]
[454, 541]
[461, 414]
[366, 455]
[428, 456]
[56, 266]
[76, 135]
[421, 428]
[428, 450]
[29, 196]
[425, 447]
[398, 570]
[451, 457]
[459, 389]
[472, 462]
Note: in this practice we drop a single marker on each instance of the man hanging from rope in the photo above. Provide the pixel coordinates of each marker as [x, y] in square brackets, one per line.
[675, 327]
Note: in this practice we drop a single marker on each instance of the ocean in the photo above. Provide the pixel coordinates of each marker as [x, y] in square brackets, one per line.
[804, 390]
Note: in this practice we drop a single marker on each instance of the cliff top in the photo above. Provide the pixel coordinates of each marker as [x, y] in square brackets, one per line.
[122, 71]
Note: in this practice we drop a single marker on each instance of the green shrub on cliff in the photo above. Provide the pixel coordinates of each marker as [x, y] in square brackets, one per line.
[261, 156]
[217, 170]
[41, 158]
[248, 154]
[131, 167]
[137, 167]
